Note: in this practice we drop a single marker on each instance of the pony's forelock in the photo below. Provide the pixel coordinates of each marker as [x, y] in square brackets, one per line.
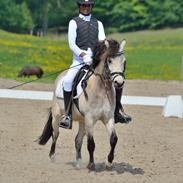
[101, 48]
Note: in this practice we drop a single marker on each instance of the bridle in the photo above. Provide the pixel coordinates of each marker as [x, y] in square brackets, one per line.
[108, 74]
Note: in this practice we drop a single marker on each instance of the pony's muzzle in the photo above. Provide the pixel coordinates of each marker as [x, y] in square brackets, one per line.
[118, 85]
[118, 81]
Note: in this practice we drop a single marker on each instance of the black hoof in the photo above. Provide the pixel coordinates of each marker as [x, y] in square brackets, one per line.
[122, 118]
[91, 166]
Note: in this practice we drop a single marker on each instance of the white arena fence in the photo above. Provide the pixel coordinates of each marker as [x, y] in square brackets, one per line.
[172, 105]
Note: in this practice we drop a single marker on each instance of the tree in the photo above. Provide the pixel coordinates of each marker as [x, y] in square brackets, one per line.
[15, 17]
[116, 15]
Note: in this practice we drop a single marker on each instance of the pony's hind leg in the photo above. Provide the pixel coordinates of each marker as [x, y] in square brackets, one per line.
[78, 143]
[113, 141]
[50, 130]
[55, 134]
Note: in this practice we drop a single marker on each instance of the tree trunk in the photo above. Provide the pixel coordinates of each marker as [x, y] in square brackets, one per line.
[45, 17]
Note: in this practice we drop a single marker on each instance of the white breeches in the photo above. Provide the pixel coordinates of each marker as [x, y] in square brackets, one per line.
[70, 75]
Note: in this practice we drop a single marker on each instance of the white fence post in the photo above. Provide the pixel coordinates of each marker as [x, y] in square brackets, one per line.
[173, 106]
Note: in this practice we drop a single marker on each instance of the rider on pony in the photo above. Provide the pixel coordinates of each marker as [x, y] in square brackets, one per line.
[83, 33]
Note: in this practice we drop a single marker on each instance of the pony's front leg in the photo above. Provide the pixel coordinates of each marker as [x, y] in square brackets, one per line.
[113, 141]
[78, 143]
[90, 145]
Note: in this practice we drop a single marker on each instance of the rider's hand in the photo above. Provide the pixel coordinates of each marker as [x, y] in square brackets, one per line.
[89, 52]
[87, 59]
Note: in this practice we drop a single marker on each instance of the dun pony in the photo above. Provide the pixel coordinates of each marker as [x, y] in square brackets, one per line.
[109, 67]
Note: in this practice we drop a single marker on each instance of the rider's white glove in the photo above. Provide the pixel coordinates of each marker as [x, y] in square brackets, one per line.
[89, 52]
[87, 59]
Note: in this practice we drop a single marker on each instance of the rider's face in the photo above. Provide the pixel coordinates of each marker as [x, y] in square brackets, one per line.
[85, 9]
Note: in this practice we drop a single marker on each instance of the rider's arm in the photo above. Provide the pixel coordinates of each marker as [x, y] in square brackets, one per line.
[72, 39]
[101, 32]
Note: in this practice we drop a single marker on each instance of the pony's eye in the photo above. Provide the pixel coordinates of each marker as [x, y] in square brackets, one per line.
[109, 61]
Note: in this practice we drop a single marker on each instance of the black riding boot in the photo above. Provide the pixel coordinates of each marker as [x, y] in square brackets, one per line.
[66, 122]
[120, 117]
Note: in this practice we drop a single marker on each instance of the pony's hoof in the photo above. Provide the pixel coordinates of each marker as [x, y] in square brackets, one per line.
[91, 166]
[108, 166]
[78, 164]
[52, 158]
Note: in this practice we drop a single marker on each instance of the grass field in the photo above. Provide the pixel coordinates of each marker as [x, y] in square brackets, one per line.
[150, 54]
[154, 54]
[17, 51]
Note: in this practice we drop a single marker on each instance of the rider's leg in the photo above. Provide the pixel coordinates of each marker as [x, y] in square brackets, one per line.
[119, 114]
[66, 122]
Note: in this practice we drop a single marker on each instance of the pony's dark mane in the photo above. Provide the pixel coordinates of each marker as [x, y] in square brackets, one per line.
[101, 48]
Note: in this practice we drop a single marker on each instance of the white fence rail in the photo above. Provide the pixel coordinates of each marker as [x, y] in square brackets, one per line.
[172, 105]
[25, 94]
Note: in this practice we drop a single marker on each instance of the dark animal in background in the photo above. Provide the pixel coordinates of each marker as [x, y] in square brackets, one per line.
[30, 71]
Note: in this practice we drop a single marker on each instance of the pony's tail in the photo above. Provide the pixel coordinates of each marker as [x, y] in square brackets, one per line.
[47, 131]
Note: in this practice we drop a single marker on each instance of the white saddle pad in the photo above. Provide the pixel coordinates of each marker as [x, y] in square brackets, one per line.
[59, 88]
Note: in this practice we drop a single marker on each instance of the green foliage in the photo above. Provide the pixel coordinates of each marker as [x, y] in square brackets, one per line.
[169, 14]
[116, 15]
[15, 17]
[61, 12]
[120, 16]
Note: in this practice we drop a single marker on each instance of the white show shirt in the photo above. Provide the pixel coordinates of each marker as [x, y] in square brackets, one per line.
[72, 37]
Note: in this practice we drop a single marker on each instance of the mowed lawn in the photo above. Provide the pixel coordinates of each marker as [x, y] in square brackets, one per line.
[150, 54]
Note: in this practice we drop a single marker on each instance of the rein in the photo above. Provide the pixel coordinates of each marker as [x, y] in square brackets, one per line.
[107, 74]
[101, 76]
[48, 75]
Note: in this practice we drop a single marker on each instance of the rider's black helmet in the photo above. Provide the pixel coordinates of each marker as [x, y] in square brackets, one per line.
[79, 2]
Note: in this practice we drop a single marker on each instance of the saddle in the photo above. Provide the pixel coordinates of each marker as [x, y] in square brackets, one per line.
[79, 83]
[79, 77]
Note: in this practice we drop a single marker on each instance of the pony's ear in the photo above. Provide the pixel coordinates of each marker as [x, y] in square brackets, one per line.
[122, 45]
[106, 43]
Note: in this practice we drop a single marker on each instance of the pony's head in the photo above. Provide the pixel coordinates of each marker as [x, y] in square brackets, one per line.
[111, 54]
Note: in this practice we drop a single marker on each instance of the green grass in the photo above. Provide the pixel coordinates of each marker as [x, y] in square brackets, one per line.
[150, 54]
[153, 54]
[17, 51]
